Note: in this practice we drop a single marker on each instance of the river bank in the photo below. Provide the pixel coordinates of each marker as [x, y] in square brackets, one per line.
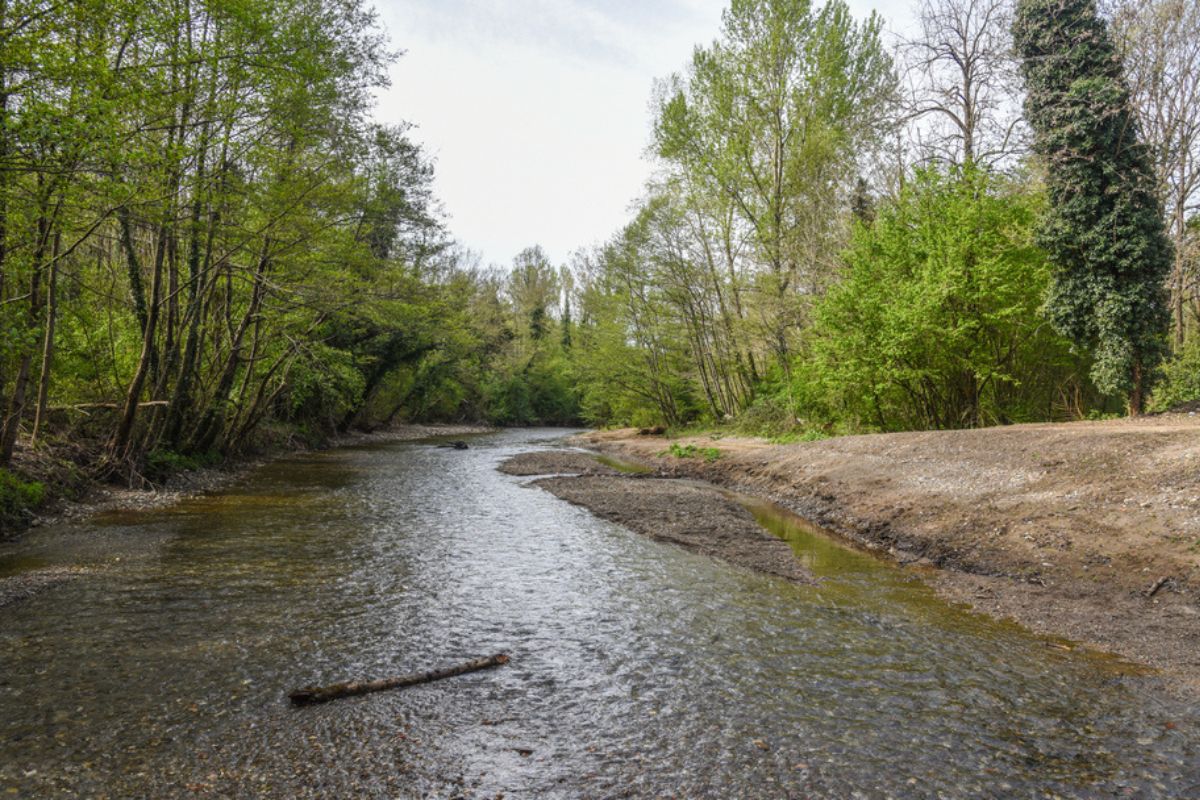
[92, 498]
[1087, 530]
[71, 496]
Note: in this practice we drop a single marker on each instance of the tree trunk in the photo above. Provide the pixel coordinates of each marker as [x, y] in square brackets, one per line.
[118, 449]
[5, 178]
[1137, 395]
[47, 342]
[212, 422]
[16, 406]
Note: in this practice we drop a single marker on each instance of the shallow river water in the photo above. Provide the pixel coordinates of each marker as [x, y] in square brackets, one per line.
[638, 669]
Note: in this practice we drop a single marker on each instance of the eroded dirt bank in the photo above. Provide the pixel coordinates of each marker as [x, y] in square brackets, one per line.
[1084, 530]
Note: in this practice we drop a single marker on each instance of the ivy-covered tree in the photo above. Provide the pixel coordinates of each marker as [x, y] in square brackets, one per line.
[1104, 229]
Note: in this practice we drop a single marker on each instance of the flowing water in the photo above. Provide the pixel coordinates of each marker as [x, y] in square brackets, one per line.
[638, 669]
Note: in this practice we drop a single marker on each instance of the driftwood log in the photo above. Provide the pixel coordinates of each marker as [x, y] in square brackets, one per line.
[458, 445]
[1154, 587]
[321, 694]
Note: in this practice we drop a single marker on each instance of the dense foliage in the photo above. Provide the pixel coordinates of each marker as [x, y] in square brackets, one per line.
[208, 246]
[1104, 230]
[205, 240]
[792, 270]
[935, 322]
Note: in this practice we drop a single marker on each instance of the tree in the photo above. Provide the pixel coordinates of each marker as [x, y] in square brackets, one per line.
[533, 288]
[935, 322]
[963, 102]
[634, 361]
[1104, 229]
[773, 117]
[1160, 46]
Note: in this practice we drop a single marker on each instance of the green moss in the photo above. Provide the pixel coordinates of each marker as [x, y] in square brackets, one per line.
[18, 497]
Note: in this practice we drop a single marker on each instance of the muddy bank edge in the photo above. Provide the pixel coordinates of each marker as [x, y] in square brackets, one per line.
[1090, 530]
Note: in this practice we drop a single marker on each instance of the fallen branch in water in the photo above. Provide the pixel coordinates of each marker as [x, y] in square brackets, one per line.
[321, 694]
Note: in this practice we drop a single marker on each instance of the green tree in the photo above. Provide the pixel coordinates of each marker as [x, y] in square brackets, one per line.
[634, 359]
[935, 322]
[1103, 229]
[773, 116]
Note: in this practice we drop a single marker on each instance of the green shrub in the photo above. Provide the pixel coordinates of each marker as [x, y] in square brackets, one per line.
[709, 454]
[1181, 378]
[17, 497]
[936, 320]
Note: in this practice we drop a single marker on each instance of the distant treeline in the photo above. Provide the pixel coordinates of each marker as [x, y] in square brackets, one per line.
[206, 244]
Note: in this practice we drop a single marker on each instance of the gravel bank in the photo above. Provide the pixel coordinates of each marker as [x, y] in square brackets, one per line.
[699, 518]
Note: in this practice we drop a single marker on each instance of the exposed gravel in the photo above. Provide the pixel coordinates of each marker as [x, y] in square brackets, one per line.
[556, 462]
[699, 518]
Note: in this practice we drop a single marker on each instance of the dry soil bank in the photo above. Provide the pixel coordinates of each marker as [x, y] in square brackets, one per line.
[1088, 530]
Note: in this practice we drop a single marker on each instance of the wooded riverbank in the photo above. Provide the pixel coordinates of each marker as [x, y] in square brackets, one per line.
[1084, 530]
[71, 494]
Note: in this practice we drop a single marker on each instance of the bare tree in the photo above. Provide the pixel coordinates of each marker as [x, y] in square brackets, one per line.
[962, 82]
[1160, 40]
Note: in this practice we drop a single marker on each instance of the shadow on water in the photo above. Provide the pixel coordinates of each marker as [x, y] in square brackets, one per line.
[638, 669]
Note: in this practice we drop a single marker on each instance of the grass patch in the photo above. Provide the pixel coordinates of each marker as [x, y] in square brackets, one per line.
[709, 454]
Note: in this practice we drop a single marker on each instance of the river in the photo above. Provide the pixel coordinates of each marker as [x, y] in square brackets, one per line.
[638, 669]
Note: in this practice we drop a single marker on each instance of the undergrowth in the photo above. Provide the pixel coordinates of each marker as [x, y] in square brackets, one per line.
[18, 498]
[709, 454]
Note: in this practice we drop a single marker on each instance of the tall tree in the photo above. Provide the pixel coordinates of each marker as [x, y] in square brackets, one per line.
[1104, 230]
[1160, 46]
[773, 116]
[962, 104]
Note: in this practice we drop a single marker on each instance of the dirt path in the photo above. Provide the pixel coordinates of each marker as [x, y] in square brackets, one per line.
[1087, 530]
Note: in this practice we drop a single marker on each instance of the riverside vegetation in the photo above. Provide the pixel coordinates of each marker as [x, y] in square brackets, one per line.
[208, 248]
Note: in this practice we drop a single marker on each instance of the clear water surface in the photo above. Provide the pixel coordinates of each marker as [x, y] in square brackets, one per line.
[638, 669]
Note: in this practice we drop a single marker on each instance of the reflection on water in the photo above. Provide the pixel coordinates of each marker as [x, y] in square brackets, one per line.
[639, 669]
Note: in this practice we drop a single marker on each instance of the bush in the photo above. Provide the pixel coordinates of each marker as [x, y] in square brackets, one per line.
[709, 454]
[1181, 378]
[18, 497]
[936, 321]
[768, 416]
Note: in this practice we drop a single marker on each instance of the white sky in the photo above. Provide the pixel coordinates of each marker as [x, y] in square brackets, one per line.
[537, 111]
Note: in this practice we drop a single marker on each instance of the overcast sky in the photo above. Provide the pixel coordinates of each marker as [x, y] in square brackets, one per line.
[537, 111]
